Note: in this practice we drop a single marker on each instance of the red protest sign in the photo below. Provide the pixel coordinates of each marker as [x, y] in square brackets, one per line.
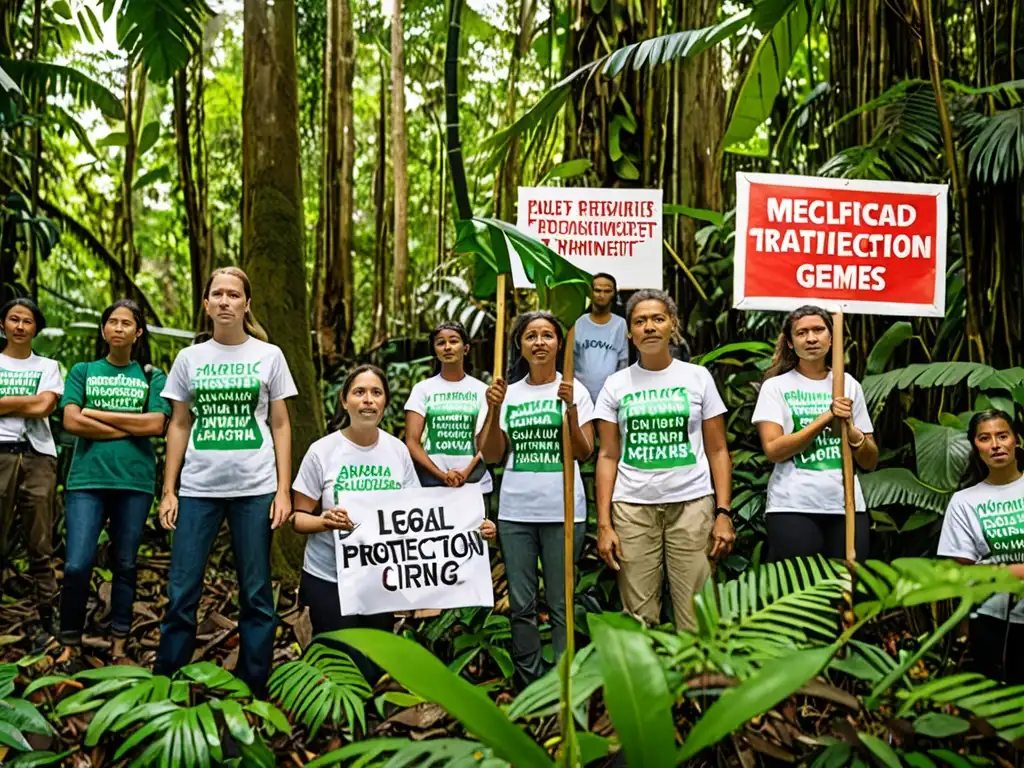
[872, 247]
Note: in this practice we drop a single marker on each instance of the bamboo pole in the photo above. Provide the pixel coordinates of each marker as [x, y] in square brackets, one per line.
[568, 748]
[839, 390]
[499, 328]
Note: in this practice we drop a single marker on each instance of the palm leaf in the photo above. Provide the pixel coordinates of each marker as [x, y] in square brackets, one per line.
[161, 33]
[1001, 706]
[55, 81]
[899, 486]
[997, 146]
[540, 698]
[946, 374]
[320, 686]
[404, 753]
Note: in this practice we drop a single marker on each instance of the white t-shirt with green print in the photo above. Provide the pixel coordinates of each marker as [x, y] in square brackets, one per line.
[454, 413]
[661, 416]
[229, 390]
[812, 481]
[985, 523]
[333, 469]
[26, 377]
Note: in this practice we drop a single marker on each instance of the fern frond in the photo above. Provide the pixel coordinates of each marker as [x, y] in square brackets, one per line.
[1001, 706]
[402, 753]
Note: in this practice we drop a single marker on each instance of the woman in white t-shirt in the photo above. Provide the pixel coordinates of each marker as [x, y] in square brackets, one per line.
[444, 415]
[30, 387]
[527, 426]
[984, 524]
[799, 423]
[664, 476]
[358, 457]
[229, 425]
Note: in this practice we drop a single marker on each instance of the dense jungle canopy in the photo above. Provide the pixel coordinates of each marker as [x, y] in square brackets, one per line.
[331, 148]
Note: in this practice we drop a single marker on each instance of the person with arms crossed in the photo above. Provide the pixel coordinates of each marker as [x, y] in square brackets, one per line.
[230, 425]
[525, 422]
[664, 475]
[113, 406]
[600, 347]
[984, 524]
[30, 387]
[799, 424]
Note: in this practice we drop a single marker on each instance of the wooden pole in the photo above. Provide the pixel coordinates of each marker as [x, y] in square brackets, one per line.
[839, 390]
[568, 498]
[499, 328]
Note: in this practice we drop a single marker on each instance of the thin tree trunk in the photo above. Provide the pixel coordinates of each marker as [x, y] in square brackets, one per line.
[272, 223]
[380, 201]
[507, 186]
[399, 159]
[194, 218]
[37, 156]
[451, 100]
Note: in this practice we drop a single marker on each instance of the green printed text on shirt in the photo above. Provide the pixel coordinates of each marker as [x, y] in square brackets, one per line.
[825, 452]
[657, 428]
[364, 477]
[1002, 523]
[19, 383]
[121, 393]
[451, 422]
[226, 396]
[535, 433]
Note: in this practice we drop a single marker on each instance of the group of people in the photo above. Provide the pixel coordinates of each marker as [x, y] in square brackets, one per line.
[663, 477]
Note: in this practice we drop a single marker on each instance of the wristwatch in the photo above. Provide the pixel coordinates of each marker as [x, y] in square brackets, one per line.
[723, 511]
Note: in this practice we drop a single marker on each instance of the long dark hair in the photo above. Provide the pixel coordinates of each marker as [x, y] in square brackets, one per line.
[140, 348]
[249, 323]
[977, 470]
[341, 420]
[518, 367]
[459, 328]
[31, 306]
[784, 358]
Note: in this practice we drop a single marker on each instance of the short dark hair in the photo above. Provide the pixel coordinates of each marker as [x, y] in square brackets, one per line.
[31, 306]
[606, 276]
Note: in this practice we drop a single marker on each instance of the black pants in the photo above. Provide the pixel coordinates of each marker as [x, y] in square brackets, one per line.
[799, 534]
[992, 643]
[321, 597]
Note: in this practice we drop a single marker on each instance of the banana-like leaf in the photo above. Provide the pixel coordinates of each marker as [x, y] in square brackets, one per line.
[776, 680]
[636, 694]
[57, 81]
[899, 486]
[425, 675]
[881, 352]
[768, 69]
[942, 454]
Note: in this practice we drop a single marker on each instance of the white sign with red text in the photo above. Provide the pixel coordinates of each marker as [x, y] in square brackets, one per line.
[872, 247]
[618, 231]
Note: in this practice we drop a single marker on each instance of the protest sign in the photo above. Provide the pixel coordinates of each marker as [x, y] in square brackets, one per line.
[419, 548]
[618, 231]
[872, 247]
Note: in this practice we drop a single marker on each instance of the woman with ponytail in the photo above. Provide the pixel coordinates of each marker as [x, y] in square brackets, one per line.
[113, 406]
[525, 423]
[229, 426]
[799, 424]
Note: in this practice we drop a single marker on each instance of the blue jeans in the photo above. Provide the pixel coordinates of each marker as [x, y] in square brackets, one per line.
[521, 545]
[199, 520]
[85, 513]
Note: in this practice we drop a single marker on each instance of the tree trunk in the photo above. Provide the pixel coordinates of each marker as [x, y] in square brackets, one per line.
[380, 220]
[334, 302]
[272, 223]
[507, 187]
[37, 156]
[399, 160]
[451, 100]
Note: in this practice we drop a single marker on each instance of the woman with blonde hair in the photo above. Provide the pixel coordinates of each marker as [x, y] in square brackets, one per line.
[230, 427]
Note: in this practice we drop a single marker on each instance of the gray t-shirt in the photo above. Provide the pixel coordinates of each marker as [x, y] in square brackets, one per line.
[333, 469]
[599, 351]
[985, 523]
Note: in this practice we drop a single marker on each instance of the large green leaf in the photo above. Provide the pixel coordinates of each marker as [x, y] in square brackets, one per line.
[567, 170]
[946, 374]
[57, 81]
[763, 80]
[899, 486]
[881, 352]
[636, 694]
[776, 680]
[162, 33]
[997, 147]
[425, 675]
[942, 454]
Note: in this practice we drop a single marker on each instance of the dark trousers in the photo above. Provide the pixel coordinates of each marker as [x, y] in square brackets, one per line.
[86, 512]
[996, 649]
[27, 491]
[199, 520]
[321, 597]
[521, 545]
[799, 534]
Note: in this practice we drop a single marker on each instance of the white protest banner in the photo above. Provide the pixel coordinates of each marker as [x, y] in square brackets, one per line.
[618, 231]
[418, 548]
[873, 247]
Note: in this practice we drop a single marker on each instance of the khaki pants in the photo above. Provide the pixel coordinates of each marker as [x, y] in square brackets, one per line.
[28, 490]
[659, 537]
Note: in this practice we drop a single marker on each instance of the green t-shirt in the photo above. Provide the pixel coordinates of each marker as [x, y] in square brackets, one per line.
[128, 463]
